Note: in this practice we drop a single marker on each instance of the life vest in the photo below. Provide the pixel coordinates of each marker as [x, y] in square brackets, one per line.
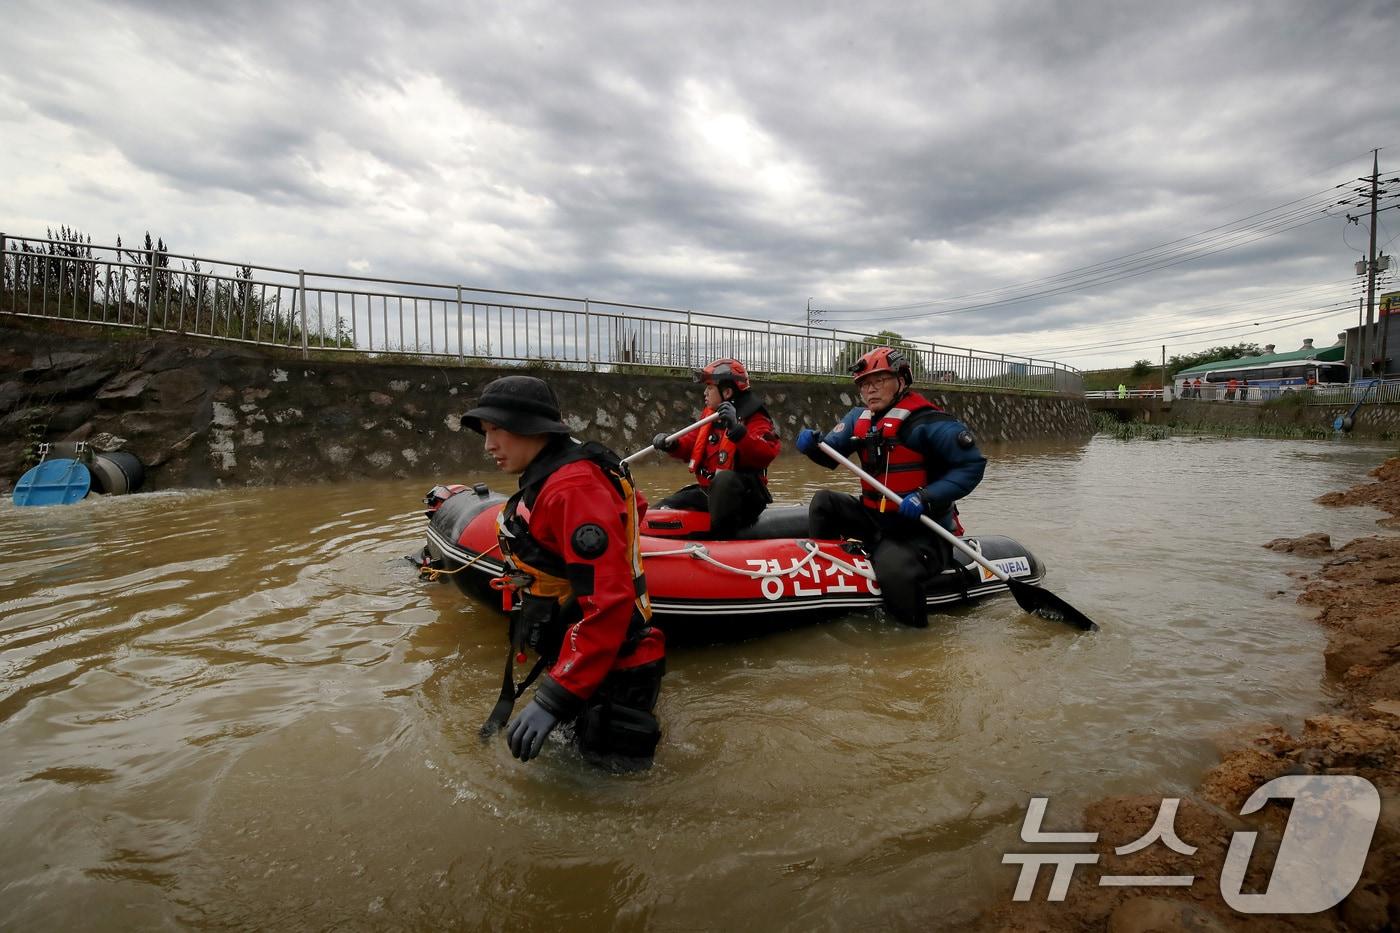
[546, 606]
[713, 451]
[901, 468]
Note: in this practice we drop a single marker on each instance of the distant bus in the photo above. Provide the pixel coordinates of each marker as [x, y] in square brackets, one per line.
[1267, 380]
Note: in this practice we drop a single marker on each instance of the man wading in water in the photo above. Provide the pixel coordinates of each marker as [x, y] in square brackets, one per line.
[569, 535]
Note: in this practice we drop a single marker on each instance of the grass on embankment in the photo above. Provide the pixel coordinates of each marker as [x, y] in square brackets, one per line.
[1105, 423]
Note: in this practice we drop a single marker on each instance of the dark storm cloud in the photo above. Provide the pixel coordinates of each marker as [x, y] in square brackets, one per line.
[737, 158]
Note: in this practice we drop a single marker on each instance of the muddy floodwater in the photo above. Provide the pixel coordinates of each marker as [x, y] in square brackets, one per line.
[241, 709]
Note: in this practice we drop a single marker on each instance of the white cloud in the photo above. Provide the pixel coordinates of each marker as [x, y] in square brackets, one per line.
[736, 159]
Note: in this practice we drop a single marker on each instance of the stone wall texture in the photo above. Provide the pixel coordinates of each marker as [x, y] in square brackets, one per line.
[202, 415]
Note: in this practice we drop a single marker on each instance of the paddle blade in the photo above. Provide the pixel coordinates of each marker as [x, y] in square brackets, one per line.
[1047, 605]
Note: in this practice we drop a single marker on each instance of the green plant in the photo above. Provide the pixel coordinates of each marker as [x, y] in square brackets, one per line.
[1105, 423]
[853, 350]
[1292, 399]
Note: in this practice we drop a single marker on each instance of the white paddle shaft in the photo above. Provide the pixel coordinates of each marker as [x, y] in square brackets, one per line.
[671, 437]
[895, 497]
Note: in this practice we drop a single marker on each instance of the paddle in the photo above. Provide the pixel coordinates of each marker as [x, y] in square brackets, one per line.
[671, 437]
[1033, 599]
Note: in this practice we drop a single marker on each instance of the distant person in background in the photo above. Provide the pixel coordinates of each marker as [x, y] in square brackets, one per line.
[1244, 389]
[1196, 387]
[1230, 388]
[1122, 390]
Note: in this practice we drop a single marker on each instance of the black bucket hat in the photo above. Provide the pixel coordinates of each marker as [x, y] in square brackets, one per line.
[520, 404]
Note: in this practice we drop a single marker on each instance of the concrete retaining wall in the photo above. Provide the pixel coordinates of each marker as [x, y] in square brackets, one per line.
[210, 415]
[1380, 422]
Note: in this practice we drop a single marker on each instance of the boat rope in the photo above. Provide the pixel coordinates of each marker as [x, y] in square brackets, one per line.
[841, 564]
[431, 574]
[699, 551]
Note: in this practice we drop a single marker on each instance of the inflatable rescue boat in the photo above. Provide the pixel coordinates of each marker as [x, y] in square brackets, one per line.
[770, 573]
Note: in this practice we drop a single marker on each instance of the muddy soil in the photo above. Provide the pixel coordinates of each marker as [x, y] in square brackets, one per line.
[1356, 591]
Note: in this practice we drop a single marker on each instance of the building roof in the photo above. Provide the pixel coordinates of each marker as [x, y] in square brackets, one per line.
[1333, 354]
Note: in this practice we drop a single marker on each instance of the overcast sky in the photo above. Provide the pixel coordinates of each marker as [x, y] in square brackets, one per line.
[740, 158]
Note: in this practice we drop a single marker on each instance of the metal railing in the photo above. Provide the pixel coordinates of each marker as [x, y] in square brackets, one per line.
[1127, 394]
[1383, 391]
[159, 291]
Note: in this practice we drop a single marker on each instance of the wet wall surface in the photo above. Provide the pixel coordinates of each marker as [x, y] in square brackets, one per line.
[204, 415]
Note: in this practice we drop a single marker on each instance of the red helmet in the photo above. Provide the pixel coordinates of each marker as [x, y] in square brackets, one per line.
[883, 360]
[726, 369]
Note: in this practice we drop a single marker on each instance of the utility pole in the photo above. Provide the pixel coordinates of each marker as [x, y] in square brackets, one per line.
[1357, 366]
[1165, 396]
[1371, 263]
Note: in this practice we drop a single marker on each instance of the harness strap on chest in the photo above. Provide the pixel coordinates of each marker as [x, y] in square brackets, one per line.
[546, 574]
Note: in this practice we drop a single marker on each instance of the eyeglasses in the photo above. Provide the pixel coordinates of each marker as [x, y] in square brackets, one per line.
[876, 381]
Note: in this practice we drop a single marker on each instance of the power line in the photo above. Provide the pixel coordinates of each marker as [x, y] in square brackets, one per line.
[1274, 297]
[1312, 209]
[1101, 281]
[1291, 316]
[1318, 202]
[1128, 271]
[1355, 288]
[1239, 333]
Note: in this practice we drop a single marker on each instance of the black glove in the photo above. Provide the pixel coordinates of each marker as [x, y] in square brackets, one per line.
[663, 444]
[728, 417]
[737, 432]
[527, 733]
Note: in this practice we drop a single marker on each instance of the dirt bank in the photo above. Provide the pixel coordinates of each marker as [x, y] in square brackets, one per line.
[1356, 590]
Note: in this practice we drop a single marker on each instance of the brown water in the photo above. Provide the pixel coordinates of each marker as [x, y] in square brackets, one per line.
[241, 709]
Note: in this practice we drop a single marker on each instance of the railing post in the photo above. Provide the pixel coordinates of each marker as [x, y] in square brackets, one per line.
[301, 298]
[461, 351]
[587, 335]
[151, 292]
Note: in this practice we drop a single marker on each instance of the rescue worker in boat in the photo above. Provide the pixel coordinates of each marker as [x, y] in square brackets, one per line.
[919, 451]
[574, 571]
[729, 456]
